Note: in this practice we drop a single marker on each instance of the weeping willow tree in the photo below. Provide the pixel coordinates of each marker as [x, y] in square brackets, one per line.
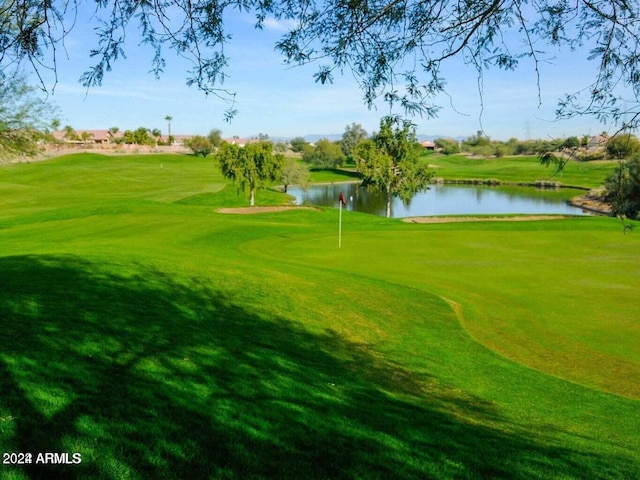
[251, 166]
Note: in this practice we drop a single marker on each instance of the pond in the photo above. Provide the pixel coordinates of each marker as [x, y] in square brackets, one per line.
[446, 200]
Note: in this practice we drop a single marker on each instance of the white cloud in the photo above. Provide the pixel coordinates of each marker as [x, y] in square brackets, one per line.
[282, 26]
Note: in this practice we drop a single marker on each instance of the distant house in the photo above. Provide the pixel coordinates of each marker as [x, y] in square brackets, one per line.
[597, 141]
[82, 137]
[428, 145]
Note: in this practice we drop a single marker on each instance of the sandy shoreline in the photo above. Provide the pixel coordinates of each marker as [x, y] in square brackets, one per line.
[518, 218]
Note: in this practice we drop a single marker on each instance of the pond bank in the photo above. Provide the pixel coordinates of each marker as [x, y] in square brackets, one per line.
[592, 202]
[517, 218]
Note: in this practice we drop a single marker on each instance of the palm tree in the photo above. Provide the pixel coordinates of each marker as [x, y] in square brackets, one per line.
[168, 118]
[70, 133]
[156, 133]
[85, 137]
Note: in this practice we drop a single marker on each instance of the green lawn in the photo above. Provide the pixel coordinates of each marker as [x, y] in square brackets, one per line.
[161, 339]
[336, 175]
[525, 169]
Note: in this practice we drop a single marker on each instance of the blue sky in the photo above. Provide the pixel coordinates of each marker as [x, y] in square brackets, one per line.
[284, 101]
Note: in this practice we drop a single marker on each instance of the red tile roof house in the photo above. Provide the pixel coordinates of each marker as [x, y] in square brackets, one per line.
[96, 137]
[105, 140]
[597, 141]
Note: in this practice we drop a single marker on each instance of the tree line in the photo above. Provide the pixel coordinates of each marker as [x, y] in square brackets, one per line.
[388, 161]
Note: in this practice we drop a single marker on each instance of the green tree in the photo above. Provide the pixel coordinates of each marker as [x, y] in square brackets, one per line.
[550, 154]
[156, 134]
[168, 118]
[142, 136]
[571, 143]
[251, 166]
[294, 173]
[499, 149]
[353, 134]
[139, 136]
[584, 141]
[297, 144]
[390, 161]
[113, 131]
[199, 145]
[24, 118]
[85, 137]
[478, 144]
[324, 154]
[280, 147]
[623, 145]
[70, 133]
[215, 137]
[622, 189]
[447, 146]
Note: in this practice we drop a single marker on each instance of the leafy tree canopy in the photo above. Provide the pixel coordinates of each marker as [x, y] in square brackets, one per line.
[297, 144]
[396, 49]
[622, 189]
[251, 166]
[571, 143]
[294, 173]
[199, 145]
[448, 146]
[353, 134]
[390, 161]
[623, 145]
[24, 118]
[139, 136]
[215, 137]
[324, 154]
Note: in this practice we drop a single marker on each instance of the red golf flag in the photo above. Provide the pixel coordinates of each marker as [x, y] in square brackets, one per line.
[342, 200]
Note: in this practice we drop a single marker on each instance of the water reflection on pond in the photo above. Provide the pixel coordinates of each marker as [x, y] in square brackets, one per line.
[445, 200]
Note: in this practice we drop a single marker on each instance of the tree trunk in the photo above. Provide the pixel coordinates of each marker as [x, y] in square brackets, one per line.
[388, 201]
[252, 197]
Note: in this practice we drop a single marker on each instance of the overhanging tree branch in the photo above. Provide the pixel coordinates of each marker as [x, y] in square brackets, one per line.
[394, 48]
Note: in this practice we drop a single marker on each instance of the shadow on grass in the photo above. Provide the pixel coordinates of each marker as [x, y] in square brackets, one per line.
[147, 377]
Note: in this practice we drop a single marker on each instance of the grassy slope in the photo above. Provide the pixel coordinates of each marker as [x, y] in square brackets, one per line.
[163, 340]
[519, 169]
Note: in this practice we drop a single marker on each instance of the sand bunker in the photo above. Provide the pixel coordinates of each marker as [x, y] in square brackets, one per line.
[265, 209]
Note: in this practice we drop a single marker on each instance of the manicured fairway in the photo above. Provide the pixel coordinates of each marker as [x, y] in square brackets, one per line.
[161, 339]
[525, 169]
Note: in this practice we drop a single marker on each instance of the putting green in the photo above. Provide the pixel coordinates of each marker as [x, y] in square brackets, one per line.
[556, 297]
